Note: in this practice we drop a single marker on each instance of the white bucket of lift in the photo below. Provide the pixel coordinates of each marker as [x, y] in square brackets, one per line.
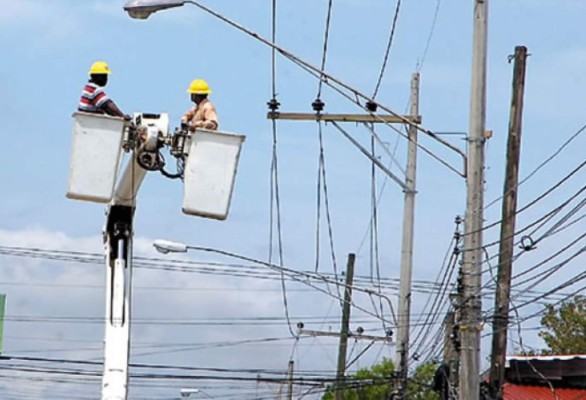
[210, 172]
[95, 156]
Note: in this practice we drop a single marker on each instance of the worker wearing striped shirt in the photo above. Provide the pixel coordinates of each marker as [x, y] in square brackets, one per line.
[203, 114]
[93, 98]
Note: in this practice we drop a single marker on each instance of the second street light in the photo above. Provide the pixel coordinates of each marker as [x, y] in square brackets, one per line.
[142, 9]
[167, 246]
[188, 392]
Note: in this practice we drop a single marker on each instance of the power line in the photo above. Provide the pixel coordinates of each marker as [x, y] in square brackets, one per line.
[388, 49]
[544, 163]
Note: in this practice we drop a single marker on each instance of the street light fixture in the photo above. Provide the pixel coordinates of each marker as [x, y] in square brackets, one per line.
[142, 9]
[189, 392]
[167, 246]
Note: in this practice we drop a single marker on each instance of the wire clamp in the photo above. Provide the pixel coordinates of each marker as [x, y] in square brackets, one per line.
[527, 243]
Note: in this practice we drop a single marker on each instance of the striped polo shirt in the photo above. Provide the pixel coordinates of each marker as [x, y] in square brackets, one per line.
[93, 99]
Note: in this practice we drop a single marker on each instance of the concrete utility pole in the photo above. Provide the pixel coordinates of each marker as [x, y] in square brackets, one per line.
[341, 370]
[470, 323]
[503, 288]
[407, 246]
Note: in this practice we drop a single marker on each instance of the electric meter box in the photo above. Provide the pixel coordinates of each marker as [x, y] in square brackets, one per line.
[95, 156]
[210, 172]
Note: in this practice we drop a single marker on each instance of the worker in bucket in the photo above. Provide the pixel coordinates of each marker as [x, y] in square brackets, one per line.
[93, 98]
[203, 114]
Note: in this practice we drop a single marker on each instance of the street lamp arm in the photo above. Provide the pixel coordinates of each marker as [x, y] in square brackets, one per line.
[166, 246]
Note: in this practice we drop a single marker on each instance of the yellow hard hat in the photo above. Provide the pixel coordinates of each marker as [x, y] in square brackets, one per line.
[199, 86]
[99, 67]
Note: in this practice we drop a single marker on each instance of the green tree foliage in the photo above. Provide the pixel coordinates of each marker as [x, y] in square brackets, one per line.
[564, 328]
[374, 383]
[418, 388]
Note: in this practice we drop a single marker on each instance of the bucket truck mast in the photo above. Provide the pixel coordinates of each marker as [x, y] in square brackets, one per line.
[208, 182]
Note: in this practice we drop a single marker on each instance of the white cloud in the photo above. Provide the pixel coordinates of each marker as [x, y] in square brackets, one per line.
[43, 289]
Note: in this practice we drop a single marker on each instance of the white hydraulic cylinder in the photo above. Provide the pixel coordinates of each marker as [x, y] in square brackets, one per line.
[127, 188]
[117, 337]
[118, 289]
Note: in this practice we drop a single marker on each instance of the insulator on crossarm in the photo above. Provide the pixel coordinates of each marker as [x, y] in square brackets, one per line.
[371, 106]
[318, 105]
[273, 104]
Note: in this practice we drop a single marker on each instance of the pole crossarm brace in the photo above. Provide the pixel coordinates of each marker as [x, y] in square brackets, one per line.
[366, 118]
[373, 159]
[387, 339]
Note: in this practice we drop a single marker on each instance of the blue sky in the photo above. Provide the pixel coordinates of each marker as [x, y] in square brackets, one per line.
[47, 49]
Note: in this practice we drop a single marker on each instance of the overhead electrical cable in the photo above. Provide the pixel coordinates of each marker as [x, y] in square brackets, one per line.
[543, 164]
[325, 49]
[388, 49]
[275, 203]
[445, 273]
[429, 37]
[330, 80]
[542, 196]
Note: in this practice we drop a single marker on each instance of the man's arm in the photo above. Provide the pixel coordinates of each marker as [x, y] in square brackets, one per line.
[112, 109]
[188, 115]
[210, 117]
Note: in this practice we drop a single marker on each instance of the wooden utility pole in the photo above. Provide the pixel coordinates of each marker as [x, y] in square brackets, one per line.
[505, 265]
[403, 320]
[471, 306]
[290, 380]
[451, 352]
[341, 370]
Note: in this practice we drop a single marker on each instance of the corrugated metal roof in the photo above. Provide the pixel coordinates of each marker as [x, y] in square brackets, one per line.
[548, 357]
[522, 392]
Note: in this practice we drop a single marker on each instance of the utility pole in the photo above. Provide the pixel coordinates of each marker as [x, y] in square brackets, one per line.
[451, 350]
[290, 380]
[471, 306]
[340, 371]
[503, 288]
[407, 246]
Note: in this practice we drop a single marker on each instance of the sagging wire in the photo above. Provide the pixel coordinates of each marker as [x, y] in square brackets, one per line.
[388, 49]
[323, 186]
[318, 106]
[431, 32]
[543, 164]
[325, 50]
[374, 250]
[330, 81]
[275, 203]
[527, 243]
[449, 264]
